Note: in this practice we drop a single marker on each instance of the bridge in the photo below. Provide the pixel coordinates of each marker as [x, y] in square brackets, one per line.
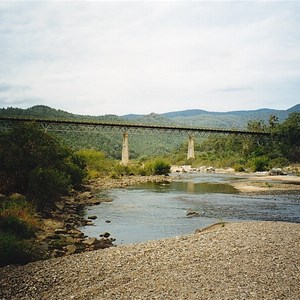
[126, 128]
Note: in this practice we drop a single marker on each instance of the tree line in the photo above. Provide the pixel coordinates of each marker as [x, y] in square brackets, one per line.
[253, 154]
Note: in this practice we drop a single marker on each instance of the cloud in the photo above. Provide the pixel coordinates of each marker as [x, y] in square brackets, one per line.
[139, 57]
[4, 87]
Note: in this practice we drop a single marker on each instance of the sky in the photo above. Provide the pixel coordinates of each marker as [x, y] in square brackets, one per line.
[122, 57]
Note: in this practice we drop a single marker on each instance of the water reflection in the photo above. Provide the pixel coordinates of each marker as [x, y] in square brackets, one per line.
[186, 186]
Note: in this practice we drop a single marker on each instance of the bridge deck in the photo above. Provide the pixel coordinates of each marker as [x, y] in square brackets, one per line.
[72, 125]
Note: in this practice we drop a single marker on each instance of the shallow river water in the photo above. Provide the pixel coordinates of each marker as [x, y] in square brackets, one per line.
[159, 210]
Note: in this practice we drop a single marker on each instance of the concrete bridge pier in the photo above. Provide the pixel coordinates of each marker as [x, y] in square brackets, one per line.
[191, 150]
[125, 150]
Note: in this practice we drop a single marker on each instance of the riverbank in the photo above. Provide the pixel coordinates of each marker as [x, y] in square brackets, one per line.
[261, 182]
[60, 235]
[245, 183]
[251, 260]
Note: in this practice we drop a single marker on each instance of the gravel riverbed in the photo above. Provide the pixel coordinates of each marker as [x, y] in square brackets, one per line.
[250, 260]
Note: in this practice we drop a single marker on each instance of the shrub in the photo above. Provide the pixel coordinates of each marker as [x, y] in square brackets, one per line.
[15, 226]
[17, 206]
[28, 156]
[259, 164]
[161, 167]
[238, 168]
[46, 185]
[279, 162]
[96, 162]
[14, 251]
[74, 166]
[157, 167]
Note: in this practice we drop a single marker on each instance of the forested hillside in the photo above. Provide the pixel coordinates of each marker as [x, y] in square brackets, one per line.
[147, 145]
[230, 120]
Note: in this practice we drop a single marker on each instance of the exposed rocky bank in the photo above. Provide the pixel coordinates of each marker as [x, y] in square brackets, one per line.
[59, 234]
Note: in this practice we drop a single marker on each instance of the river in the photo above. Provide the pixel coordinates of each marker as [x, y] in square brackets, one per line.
[159, 210]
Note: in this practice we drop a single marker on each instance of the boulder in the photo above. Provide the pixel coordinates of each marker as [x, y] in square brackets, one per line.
[103, 243]
[276, 171]
[106, 235]
[89, 223]
[60, 205]
[57, 253]
[85, 195]
[75, 233]
[192, 213]
[90, 241]
[70, 249]
[210, 170]
[60, 231]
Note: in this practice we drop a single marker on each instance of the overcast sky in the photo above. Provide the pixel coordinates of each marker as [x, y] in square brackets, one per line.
[100, 57]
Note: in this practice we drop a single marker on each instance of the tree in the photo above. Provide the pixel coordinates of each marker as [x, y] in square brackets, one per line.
[34, 163]
[288, 134]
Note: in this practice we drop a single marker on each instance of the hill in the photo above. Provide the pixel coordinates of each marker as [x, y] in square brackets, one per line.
[42, 111]
[191, 117]
[231, 119]
[144, 145]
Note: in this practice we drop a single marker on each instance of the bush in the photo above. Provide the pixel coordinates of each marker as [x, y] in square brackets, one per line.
[161, 167]
[15, 226]
[74, 166]
[17, 223]
[96, 162]
[157, 167]
[28, 156]
[259, 164]
[279, 162]
[17, 206]
[238, 168]
[14, 251]
[46, 185]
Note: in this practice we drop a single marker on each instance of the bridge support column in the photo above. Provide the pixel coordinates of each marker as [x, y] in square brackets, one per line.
[125, 151]
[191, 151]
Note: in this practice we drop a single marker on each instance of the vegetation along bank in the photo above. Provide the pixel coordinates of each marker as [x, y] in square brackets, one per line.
[45, 185]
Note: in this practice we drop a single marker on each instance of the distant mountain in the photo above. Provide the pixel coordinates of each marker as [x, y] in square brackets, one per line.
[295, 108]
[132, 116]
[145, 144]
[42, 111]
[184, 113]
[203, 118]
[191, 117]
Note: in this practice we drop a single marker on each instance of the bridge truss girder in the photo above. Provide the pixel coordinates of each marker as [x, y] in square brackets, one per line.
[126, 129]
[65, 125]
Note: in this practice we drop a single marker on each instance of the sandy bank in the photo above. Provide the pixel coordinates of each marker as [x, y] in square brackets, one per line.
[255, 260]
[263, 183]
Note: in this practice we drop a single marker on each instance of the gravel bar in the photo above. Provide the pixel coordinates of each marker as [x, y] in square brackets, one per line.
[248, 260]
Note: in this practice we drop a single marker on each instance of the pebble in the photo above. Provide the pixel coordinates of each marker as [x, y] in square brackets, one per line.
[247, 260]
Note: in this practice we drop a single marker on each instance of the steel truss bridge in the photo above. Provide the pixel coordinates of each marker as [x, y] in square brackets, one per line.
[126, 128]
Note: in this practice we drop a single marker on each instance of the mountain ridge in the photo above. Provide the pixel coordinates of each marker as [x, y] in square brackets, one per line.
[144, 144]
[190, 117]
[195, 112]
